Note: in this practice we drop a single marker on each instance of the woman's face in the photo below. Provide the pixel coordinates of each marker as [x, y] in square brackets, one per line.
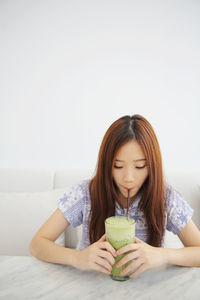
[129, 168]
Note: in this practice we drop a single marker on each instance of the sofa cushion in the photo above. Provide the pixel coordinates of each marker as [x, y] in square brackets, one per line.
[26, 180]
[64, 178]
[21, 215]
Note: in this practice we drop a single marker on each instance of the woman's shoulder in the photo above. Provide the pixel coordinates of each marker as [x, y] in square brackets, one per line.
[178, 211]
[174, 198]
[74, 202]
[76, 192]
[169, 190]
[79, 189]
[82, 185]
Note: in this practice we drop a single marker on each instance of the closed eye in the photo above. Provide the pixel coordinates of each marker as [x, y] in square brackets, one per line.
[117, 167]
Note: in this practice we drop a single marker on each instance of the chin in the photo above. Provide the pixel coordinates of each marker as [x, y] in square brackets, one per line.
[124, 194]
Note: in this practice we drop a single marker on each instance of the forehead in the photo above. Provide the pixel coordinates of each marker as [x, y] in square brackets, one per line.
[130, 151]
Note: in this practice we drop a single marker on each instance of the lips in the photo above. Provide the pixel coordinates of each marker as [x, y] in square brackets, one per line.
[126, 188]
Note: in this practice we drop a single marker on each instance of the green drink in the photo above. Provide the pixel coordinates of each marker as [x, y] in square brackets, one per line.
[120, 231]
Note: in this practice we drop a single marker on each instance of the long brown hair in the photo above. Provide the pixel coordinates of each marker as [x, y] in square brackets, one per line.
[103, 190]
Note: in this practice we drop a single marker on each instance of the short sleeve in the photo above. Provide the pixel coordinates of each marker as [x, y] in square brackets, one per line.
[72, 203]
[179, 211]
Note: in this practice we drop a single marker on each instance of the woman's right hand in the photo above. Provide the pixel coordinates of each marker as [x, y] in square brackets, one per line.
[98, 256]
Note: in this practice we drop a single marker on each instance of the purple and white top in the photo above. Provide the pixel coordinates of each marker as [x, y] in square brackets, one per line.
[75, 206]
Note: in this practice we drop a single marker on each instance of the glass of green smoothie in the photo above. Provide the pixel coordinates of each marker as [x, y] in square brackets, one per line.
[120, 231]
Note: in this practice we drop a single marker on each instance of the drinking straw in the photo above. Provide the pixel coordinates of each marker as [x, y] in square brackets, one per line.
[128, 202]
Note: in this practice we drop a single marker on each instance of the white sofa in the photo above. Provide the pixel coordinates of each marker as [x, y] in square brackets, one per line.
[28, 197]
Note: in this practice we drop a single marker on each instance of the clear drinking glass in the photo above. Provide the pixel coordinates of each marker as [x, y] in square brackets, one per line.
[120, 231]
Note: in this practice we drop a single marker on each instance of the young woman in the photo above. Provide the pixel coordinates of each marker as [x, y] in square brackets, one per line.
[129, 158]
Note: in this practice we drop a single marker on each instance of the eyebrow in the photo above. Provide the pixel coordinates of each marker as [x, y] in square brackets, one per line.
[141, 159]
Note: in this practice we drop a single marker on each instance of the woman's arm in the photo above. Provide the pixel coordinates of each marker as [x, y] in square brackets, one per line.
[145, 256]
[189, 255]
[98, 256]
[42, 245]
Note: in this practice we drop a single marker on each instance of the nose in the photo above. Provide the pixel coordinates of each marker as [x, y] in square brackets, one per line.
[129, 176]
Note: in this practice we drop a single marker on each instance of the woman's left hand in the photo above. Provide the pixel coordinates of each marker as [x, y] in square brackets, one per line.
[143, 255]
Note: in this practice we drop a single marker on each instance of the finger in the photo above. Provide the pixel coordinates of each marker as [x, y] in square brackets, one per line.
[139, 270]
[127, 258]
[104, 263]
[106, 245]
[106, 255]
[135, 264]
[137, 240]
[101, 269]
[103, 238]
[129, 247]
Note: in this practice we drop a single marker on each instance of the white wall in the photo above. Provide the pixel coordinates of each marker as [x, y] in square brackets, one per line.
[68, 69]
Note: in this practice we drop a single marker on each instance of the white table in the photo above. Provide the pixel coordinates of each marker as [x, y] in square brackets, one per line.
[24, 277]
